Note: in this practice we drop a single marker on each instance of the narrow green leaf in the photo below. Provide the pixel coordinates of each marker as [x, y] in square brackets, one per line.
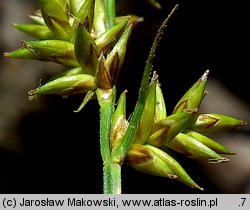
[120, 152]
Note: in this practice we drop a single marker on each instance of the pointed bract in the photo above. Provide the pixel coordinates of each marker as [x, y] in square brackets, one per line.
[130, 18]
[86, 50]
[56, 17]
[178, 170]
[215, 122]
[193, 97]
[107, 39]
[57, 51]
[218, 148]
[160, 108]
[119, 123]
[90, 95]
[23, 53]
[37, 31]
[120, 50]
[37, 19]
[146, 160]
[75, 5]
[83, 13]
[190, 147]
[66, 85]
[68, 72]
[147, 118]
[154, 3]
[165, 130]
[103, 78]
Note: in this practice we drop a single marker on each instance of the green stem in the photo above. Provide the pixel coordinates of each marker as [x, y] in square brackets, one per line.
[105, 119]
[110, 11]
[112, 162]
[111, 171]
[112, 178]
[105, 99]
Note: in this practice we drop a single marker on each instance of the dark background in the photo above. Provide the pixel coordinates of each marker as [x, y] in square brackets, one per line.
[46, 148]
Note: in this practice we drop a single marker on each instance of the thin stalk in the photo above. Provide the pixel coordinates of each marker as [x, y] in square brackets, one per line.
[120, 152]
[110, 12]
[111, 171]
[106, 110]
[112, 178]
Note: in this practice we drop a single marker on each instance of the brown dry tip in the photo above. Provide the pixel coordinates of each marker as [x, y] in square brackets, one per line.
[7, 55]
[219, 160]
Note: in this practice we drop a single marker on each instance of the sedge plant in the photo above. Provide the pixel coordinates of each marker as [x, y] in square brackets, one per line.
[90, 40]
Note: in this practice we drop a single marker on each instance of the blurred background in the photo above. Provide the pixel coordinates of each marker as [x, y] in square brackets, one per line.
[47, 148]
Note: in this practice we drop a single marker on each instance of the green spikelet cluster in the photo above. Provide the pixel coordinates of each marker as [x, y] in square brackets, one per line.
[73, 33]
[183, 131]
